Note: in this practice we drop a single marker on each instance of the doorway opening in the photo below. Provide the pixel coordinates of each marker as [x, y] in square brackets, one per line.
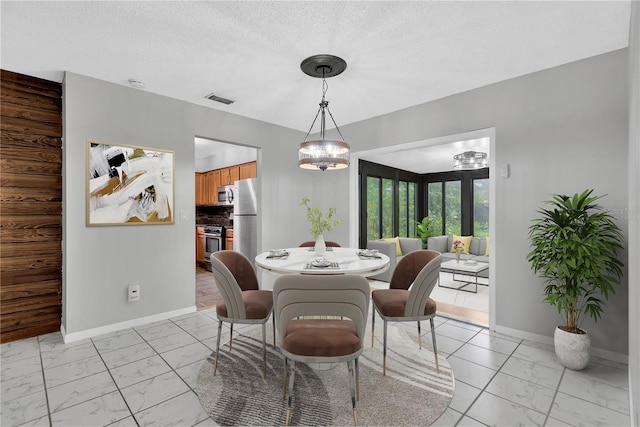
[219, 165]
[436, 153]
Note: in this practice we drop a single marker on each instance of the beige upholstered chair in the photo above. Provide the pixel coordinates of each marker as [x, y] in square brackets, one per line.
[407, 298]
[243, 301]
[321, 340]
[311, 244]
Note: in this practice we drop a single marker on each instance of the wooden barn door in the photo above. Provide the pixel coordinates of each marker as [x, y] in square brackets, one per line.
[30, 206]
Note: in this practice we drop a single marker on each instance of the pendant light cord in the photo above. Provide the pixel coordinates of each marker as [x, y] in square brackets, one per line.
[323, 104]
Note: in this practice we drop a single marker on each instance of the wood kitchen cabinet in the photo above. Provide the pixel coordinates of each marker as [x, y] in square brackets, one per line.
[248, 170]
[200, 245]
[207, 183]
[201, 195]
[229, 175]
[228, 241]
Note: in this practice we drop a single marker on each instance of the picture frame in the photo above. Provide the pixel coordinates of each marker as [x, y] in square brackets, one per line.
[129, 185]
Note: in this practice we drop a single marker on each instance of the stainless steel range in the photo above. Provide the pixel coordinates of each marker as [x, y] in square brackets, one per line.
[213, 241]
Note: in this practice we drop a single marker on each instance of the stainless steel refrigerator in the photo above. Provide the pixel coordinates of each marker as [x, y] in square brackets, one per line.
[245, 220]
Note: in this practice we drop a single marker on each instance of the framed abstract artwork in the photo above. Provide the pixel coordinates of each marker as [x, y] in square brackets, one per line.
[129, 185]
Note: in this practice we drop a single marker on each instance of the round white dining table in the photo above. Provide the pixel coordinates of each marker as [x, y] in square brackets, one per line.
[343, 261]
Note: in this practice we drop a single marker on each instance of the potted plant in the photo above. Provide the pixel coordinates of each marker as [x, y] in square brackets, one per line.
[319, 223]
[424, 231]
[574, 247]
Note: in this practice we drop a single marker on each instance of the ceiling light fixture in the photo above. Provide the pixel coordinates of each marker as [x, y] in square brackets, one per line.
[323, 153]
[470, 160]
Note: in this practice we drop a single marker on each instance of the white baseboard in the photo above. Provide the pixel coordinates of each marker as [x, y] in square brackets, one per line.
[598, 352]
[89, 333]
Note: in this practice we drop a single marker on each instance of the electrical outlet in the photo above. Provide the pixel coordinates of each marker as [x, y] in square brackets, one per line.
[134, 292]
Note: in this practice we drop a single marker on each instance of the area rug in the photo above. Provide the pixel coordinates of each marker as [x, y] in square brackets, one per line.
[412, 393]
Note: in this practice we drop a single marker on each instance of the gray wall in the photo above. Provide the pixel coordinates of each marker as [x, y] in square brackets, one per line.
[634, 215]
[99, 262]
[561, 130]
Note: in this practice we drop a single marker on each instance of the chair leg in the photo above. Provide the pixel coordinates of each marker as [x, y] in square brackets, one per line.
[215, 366]
[231, 337]
[292, 373]
[419, 336]
[284, 378]
[352, 387]
[264, 350]
[273, 316]
[435, 348]
[373, 324]
[357, 379]
[384, 349]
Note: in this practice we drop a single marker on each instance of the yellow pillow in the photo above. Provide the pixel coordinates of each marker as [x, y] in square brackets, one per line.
[486, 252]
[397, 242]
[466, 242]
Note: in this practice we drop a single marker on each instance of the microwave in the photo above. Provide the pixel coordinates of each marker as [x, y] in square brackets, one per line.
[226, 195]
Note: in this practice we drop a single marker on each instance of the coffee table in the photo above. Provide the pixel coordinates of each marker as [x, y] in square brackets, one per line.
[462, 268]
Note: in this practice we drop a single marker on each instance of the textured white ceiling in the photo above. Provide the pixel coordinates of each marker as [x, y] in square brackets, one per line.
[399, 53]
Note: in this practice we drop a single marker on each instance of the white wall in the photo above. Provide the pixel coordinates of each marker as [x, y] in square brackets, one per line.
[562, 130]
[634, 215]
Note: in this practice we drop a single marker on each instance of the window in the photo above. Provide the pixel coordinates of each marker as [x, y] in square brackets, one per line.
[452, 208]
[407, 209]
[434, 205]
[373, 208]
[391, 201]
[481, 207]
[458, 202]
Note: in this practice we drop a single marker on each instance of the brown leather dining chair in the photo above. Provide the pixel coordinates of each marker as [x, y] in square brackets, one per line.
[407, 298]
[340, 338]
[311, 244]
[243, 301]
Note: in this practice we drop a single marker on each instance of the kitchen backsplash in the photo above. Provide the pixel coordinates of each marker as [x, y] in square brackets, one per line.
[218, 215]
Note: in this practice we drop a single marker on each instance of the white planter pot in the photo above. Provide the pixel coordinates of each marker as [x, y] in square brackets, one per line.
[572, 350]
[320, 246]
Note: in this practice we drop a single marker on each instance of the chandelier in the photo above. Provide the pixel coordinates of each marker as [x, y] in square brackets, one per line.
[470, 160]
[323, 153]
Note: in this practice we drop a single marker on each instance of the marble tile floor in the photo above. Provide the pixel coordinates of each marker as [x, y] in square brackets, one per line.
[146, 376]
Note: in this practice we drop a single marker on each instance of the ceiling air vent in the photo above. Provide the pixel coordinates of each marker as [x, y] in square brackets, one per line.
[216, 98]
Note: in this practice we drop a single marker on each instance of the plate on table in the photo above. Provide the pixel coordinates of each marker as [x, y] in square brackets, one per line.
[320, 263]
[277, 253]
[368, 253]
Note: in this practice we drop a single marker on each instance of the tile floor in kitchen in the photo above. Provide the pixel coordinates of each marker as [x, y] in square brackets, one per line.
[146, 376]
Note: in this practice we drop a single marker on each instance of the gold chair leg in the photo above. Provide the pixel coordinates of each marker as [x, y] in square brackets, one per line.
[355, 417]
[286, 420]
[215, 366]
[435, 348]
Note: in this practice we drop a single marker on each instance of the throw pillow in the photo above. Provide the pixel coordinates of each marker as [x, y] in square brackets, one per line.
[486, 252]
[396, 241]
[466, 242]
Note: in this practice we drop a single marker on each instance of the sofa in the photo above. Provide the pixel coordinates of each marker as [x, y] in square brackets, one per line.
[407, 244]
[477, 250]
